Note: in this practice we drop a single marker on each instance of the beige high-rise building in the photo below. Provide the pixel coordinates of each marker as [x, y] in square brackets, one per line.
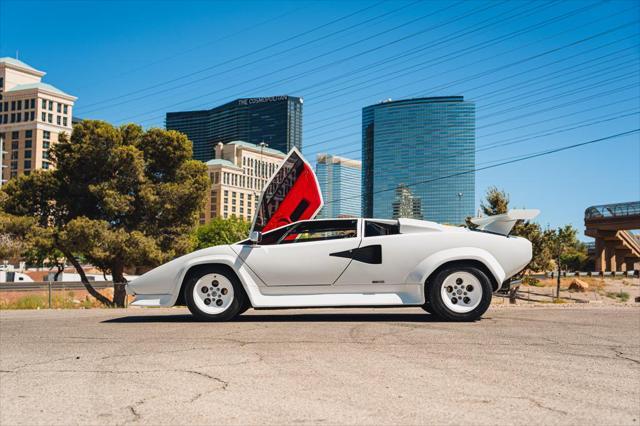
[32, 115]
[238, 174]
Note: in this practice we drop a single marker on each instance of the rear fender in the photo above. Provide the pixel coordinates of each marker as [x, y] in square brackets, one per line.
[425, 268]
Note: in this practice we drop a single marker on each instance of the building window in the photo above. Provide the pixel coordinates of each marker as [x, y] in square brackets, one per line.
[27, 164]
[14, 144]
[14, 165]
[13, 105]
[46, 134]
[50, 105]
[64, 121]
[13, 117]
[58, 121]
[45, 145]
[33, 103]
[27, 144]
[59, 107]
[45, 155]
[28, 133]
[26, 116]
[44, 104]
[15, 134]
[14, 155]
[33, 115]
[50, 118]
[44, 116]
[66, 109]
[27, 154]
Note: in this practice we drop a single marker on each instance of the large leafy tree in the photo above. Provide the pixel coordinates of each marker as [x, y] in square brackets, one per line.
[221, 231]
[118, 197]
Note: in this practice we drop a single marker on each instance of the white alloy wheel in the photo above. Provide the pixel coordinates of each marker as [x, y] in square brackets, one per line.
[461, 292]
[213, 293]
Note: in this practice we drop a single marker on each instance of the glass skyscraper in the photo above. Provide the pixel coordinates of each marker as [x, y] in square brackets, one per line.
[414, 153]
[275, 120]
[339, 180]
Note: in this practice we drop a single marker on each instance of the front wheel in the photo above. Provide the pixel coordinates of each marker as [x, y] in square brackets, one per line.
[459, 293]
[214, 294]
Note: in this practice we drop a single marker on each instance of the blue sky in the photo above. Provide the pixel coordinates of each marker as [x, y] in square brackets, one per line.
[543, 74]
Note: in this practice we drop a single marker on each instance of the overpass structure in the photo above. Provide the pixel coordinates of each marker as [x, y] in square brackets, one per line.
[616, 249]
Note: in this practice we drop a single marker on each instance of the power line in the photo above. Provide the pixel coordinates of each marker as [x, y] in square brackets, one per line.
[491, 71]
[524, 138]
[203, 45]
[262, 49]
[500, 113]
[270, 56]
[459, 53]
[289, 79]
[317, 69]
[549, 76]
[501, 162]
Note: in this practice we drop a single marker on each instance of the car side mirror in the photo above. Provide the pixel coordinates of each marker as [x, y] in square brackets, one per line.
[255, 237]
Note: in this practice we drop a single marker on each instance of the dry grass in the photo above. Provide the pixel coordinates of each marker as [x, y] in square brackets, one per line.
[78, 299]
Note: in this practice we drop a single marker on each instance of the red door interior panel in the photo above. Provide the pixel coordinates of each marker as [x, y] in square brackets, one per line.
[292, 194]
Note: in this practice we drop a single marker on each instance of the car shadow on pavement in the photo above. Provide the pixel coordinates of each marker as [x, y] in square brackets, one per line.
[297, 317]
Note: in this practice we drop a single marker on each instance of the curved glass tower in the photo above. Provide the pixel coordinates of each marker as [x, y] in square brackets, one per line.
[418, 157]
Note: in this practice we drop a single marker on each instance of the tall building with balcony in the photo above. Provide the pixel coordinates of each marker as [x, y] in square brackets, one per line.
[32, 116]
[238, 175]
[413, 151]
[339, 180]
[275, 120]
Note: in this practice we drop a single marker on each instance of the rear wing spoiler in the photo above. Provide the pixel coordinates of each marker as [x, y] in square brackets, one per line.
[503, 223]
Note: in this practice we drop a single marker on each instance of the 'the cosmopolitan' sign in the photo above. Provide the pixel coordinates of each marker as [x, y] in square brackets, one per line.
[250, 101]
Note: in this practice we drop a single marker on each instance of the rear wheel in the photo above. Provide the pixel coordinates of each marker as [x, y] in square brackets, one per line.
[459, 293]
[214, 294]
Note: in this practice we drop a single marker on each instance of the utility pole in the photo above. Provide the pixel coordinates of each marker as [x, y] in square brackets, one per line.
[558, 280]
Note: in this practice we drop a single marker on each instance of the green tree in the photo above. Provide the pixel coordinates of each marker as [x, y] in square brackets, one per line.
[565, 245]
[497, 202]
[221, 231]
[118, 197]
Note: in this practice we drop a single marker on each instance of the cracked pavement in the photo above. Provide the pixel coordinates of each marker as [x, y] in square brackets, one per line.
[518, 365]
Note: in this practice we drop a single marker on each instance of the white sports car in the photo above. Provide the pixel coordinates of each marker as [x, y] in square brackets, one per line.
[449, 271]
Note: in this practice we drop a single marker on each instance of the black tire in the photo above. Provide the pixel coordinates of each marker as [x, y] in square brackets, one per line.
[437, 306]
[239, 303]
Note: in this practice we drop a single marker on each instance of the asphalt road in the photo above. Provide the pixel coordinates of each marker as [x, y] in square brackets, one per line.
[526, 365]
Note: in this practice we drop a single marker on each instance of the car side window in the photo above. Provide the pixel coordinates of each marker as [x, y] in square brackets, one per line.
[274, 237]
[321, 230]
[376, 229]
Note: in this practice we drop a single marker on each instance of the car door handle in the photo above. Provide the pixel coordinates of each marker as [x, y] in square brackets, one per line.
[367, 254]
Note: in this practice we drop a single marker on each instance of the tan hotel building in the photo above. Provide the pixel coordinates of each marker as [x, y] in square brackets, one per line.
[238, 174]
[32, 115]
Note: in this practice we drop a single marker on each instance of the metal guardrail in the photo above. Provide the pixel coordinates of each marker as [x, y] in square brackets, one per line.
[613, 210]
[53, 285]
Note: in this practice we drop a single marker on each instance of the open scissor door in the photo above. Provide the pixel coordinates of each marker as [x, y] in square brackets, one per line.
[292, 194]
